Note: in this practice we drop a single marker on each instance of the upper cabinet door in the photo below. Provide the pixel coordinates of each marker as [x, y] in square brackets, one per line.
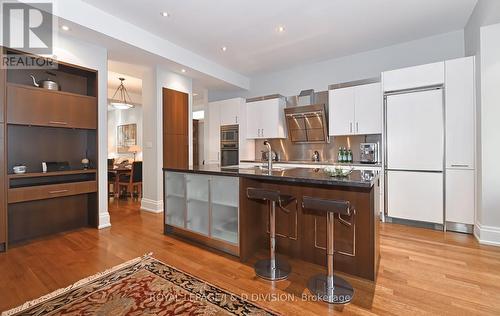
[414, 77]
[341, 111]
[229, 112]
[460, 113]
[266, 119]
[368, 109]
[34, 106]
[253, 122]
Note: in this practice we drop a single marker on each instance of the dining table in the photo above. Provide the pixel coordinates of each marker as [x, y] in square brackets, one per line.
[119, 170]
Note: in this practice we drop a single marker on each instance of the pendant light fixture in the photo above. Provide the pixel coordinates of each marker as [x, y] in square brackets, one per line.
[121, 103]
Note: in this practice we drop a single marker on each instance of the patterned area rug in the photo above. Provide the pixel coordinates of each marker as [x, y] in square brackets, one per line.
[143, 286]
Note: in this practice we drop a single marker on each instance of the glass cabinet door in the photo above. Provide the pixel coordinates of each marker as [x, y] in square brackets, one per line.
[224, 203]
[175, 199]
[197, 203]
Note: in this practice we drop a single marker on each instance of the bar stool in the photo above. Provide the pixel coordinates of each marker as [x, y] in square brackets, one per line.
[272, 269]
[331, 288]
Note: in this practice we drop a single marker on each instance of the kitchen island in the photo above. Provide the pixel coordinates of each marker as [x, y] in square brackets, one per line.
[208, 205]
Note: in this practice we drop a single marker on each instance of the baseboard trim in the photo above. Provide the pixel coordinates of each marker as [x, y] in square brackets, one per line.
[151, 205]
[487, 235]
[104, 221]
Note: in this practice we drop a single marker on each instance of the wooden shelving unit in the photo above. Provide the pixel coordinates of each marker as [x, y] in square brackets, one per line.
[39, 125]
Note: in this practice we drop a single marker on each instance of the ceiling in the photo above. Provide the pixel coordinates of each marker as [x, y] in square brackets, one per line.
[313, 30]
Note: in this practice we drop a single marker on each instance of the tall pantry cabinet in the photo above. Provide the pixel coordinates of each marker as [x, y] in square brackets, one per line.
[460, 142]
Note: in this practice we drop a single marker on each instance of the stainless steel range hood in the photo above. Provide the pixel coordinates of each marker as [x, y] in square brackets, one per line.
[307, 124]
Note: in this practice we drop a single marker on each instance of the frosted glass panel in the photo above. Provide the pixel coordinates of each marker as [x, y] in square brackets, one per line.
[225, 198]
[197, 203]
[175, 199]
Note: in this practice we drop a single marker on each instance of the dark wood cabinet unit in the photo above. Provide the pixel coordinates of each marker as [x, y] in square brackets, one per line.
[35, 106]
[47, 126]
[3, 204]
[175, 129]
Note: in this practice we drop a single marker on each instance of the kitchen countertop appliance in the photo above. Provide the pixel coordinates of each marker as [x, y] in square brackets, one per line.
[368, 153]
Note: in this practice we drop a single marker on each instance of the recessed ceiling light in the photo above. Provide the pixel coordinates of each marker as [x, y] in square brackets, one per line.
[223, 48]
[183, 70]
[165, 14]
[281, 29]
[65, 28]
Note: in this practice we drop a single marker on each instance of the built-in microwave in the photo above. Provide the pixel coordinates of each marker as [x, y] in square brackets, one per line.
[229, 133]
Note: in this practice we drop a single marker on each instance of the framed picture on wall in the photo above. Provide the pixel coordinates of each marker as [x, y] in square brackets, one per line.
[126, 137]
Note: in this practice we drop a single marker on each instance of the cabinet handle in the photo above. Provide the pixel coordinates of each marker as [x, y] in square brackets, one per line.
[357, 127]
[58, 123]
[262, 133]
[58, 191]
[236, 119]
[218, 156]
[350, 127]
[458, 166]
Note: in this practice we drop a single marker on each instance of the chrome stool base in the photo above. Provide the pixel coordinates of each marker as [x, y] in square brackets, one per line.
[263, 269]
[341, 292]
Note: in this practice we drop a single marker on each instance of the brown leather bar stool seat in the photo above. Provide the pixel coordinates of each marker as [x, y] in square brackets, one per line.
[272, 269]
[331, 288]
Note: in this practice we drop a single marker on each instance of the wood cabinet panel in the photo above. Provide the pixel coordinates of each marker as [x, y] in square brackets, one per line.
[3, 79]
[3, 223]
[35, 106]
[50, 191]
[311, 230]
[175, 129]
[34, 219]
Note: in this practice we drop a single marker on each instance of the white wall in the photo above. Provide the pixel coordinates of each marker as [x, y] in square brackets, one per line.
[153, 82]
[122, 117]
[488, 226]
[320, 75]
[94, 57]
[486, 12]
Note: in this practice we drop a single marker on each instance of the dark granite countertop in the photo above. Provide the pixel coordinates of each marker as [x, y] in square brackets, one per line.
[293, 175]
[321, 163]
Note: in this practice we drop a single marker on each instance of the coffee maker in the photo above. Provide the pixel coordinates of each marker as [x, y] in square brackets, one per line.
[368, 153]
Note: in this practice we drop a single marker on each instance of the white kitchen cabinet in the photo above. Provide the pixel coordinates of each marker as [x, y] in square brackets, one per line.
[246, 146]
[213, 133]
[341, 111]
[414, 77]
[416, 196]
[368, 109]
[266, 119]
[356, 110]
[460, 196]
[460, 113]
[230, 111]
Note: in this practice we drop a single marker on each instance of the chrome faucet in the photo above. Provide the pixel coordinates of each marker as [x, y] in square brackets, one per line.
[315, 156]
[269, 156]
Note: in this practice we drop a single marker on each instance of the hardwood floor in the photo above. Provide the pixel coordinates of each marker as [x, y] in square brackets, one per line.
[421, 271]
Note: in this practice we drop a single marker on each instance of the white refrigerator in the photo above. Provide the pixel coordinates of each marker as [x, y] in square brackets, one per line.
[415, 156]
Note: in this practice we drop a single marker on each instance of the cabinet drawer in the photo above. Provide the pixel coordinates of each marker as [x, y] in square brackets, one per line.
[50, 191]
[35, 106]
